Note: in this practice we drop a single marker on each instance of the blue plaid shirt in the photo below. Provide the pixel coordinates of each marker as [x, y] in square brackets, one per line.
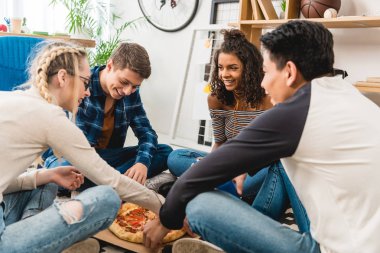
[129, 111]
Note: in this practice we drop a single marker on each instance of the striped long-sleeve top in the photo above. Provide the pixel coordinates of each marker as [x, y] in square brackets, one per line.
[227, 124]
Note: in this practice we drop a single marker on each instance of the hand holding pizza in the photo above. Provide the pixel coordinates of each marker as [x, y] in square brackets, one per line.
[136, 224]
[138, 172]
[154, 232]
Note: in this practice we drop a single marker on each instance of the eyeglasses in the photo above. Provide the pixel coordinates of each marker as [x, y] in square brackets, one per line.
[86, 82]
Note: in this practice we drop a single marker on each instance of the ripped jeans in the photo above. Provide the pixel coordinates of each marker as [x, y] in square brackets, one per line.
[49, 231]
[23, 204]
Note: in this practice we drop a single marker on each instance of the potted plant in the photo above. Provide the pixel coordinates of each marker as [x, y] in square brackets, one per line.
[81, 20]
[283, 8]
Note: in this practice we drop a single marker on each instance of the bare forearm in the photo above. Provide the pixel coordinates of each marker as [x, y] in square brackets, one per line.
[44, 176]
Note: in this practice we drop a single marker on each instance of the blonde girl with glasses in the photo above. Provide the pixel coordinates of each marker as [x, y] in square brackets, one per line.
[34, 120]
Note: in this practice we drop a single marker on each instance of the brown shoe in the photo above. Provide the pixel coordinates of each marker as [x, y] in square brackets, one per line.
[193, 245]
[90, 245]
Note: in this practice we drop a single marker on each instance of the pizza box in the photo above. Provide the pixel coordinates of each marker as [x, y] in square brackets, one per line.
[109, 237]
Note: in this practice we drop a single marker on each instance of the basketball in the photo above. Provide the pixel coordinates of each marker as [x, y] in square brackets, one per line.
[316, 8]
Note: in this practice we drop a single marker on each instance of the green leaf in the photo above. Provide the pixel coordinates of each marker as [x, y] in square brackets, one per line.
[283, 5]
[80, 19]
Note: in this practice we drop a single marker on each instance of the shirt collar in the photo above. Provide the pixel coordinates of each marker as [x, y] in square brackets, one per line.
[95, 87]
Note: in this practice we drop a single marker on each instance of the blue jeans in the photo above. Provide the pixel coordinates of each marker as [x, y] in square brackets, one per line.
[121, 159]
[299, 210]
[235, 226]
[23, 204]
[275, 194]
[49, 232]
[181, 159]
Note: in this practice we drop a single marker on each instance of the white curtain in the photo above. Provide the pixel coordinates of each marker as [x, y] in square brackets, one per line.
[39, 14]
[4, 6]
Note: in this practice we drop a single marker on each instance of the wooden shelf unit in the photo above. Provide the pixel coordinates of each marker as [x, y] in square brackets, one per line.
[339, 22]
[81, 42]
[368, 86]
[251, 20]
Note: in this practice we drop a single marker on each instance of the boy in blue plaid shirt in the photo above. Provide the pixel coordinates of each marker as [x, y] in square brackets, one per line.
[115, 105]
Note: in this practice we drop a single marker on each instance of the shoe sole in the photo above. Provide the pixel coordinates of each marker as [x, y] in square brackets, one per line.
[190, 245]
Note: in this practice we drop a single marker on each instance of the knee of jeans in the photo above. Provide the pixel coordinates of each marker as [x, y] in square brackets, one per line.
[109, 204]
[108, 198]
[201, 211]
[178, 155]
[172, 159]
[200, 205]
[71, 211]
[104, 203]
[174, 154]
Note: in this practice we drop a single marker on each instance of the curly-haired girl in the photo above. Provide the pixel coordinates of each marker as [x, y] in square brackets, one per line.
[236, 99]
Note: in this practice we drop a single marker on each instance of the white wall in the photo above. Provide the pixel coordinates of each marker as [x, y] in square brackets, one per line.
[357, 51]
[168, 53]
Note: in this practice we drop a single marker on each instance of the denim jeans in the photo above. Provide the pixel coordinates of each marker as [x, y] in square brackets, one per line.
[237, 227]
[299, 210]
[181, 159]
[49, 232]
[121, 159]
[23, 204]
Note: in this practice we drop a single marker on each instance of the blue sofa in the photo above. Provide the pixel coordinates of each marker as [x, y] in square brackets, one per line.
[14, 53]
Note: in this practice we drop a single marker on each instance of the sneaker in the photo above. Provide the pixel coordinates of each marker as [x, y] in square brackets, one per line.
[155, 182]
[90, 245]
[165, 188]
[193, 245]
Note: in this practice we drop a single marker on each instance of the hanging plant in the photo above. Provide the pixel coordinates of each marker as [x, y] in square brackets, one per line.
[105, 47]
[81, 20]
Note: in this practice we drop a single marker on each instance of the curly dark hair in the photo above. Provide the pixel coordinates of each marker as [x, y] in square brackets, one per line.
[250, 90]
[308, 44]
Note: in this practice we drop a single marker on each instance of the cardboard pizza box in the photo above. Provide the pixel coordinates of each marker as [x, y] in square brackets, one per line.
[109, 237]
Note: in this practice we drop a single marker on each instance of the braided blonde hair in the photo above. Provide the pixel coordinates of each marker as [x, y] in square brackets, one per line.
[50, 58]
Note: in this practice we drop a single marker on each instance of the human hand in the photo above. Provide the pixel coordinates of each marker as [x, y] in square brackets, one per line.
[138, 172]
[196, 160]
[239, 183]
[154, 232]
[187, 228]
[67, 177]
